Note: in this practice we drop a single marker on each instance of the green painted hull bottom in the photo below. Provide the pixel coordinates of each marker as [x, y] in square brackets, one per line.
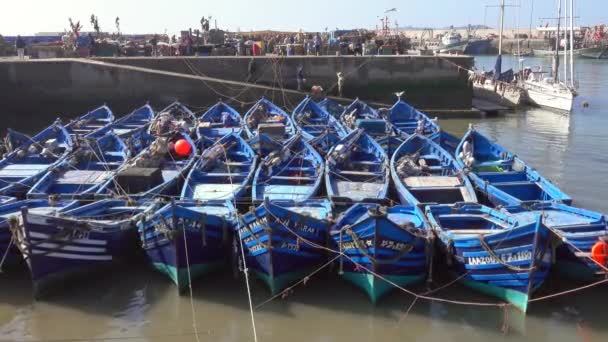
[516, 298]
[280, 283]
[574, 270]
[376, 287]
[180, 278]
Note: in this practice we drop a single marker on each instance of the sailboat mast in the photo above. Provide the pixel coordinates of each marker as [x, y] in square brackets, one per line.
[565, 43]
[572, 43]
[556, 54]
[502, 25]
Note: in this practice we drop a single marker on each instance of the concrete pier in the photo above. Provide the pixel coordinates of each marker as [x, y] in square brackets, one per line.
[33, 93]
[428, 81]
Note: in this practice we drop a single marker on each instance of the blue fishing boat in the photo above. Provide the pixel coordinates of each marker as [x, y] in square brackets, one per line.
[90, 122]
[357, 111]
[218, 121]
[332, 107]
[187, 239]
[580, 230]
[223, 171]
[7, 200]
[59, 246]
[84, 171]
[266, 118]
[382, 247]
[283, 240]
[158, 170]
[423, 172]
[447, 141]
[407, 119]
[175, 117]
[31, 157]
[10, 214]
[505, 179]
[292, 173]
[127, 125]
[493, 252]
[313, 122]
[357, 170]
[390, 143]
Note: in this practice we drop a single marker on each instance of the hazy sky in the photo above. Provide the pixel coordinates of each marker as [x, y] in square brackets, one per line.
[146, 16]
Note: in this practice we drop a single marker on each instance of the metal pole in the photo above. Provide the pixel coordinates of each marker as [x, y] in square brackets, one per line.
[502, 25]
[556, 55]
[565, 45]
[572, 43]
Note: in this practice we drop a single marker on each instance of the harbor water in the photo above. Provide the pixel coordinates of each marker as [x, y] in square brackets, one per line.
[134, 303]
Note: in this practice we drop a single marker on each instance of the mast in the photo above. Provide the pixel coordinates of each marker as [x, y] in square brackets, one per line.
[502, 25]
[565, 43]
[572, 43]
[556, 54]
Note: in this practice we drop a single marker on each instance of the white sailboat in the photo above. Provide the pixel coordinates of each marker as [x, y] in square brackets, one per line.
[549, 91]
[493, 89]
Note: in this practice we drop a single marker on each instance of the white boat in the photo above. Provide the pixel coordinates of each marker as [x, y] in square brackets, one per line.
[576, 52]
[545, 92]
[551, 92]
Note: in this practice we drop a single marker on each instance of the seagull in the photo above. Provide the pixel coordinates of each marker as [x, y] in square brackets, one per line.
[394, 9]
[399, 94]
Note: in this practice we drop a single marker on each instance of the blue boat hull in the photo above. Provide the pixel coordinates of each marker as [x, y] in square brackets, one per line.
[199, 245]
[276, 242]
[57, 252]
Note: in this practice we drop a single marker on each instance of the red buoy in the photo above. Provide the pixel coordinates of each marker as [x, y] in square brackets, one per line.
[182, 148]
[599, 252]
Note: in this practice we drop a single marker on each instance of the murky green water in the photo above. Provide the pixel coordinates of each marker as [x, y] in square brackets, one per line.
[136, 304]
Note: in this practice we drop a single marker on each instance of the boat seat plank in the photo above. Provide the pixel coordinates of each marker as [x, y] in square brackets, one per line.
[434, 181]
[472, 231]
[360, 173]
[83, 177]
[22, 170]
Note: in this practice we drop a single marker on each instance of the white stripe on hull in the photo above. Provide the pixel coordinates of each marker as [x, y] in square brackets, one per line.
[73, 256]
[55, 246]
[80, 241]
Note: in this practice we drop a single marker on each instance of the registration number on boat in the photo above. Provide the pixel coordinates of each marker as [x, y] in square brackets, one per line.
[504, 258]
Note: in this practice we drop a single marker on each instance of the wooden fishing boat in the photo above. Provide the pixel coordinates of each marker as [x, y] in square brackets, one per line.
[84, 171]
[357, 170]
[447, 141]
[314, 122]
[60, 246]
[580, 230]
[390, 143]
[187, 239]
[382, 247]
[493, 252]
[175, 117]
[90, 122]
[282, 239]
[423, 172]
[505, 179]
[409, 120]
[10, 214]
[127, 125]
[332, 107]
[157, 170]
[266, 118]
[356, 111]
[218, 121]
[292, 173]
[223, 172]
[31, 157]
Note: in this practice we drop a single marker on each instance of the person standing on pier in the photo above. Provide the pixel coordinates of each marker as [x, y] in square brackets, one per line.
[317, 42]
[154, 43]
[20, 46]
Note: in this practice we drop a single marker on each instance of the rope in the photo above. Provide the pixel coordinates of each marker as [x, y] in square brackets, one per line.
[190, 283]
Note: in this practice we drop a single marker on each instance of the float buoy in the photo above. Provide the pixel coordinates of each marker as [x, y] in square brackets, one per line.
[182, 148]
[599, 252]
